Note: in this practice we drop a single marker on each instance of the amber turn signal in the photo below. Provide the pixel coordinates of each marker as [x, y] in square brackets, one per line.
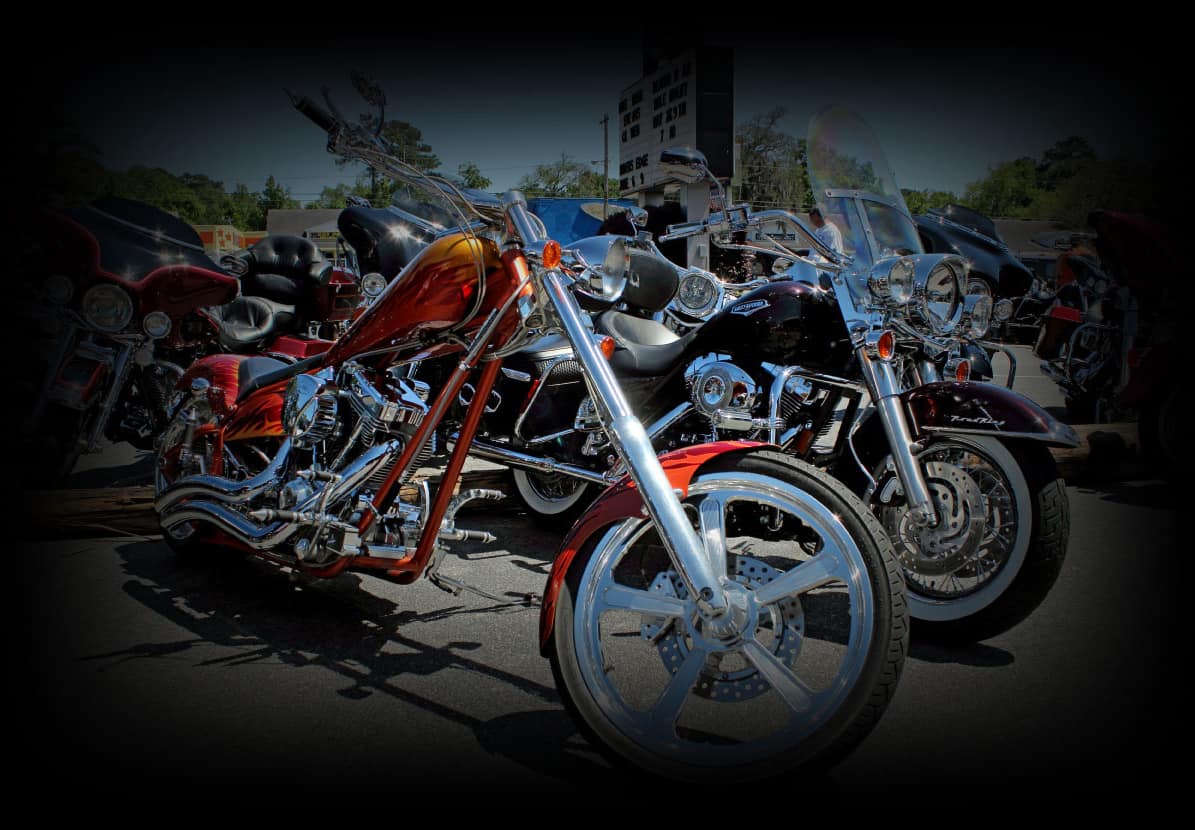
[551, 256]
[886, 346]
[959, 369]
[606, 344]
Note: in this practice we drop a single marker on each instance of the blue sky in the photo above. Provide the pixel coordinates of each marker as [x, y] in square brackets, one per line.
[943, 121]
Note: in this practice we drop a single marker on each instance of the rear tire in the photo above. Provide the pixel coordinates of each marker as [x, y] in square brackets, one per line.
[552, 500]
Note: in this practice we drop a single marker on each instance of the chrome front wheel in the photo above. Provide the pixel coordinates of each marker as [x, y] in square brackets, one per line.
[798, 669]
[998, 545]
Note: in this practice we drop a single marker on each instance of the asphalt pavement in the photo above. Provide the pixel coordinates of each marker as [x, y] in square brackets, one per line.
[142, 670]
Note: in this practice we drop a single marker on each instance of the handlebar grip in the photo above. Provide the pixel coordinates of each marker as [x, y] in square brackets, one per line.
[316, 113]
[683, 229]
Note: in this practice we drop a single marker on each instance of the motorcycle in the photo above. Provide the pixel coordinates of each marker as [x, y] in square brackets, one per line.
[129, 297]
[673, 617]
[121, 304]
[1110, 319]
[831, 361]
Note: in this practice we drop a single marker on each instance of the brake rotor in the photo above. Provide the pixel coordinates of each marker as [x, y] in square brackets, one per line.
[959, 533]
[720, 680]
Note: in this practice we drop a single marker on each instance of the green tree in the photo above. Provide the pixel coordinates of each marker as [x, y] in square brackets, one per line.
[772, 164]
[921, 201]
[564, 177]
[1008, 190]
[471, 175]
[1064, 160]
[276, 197]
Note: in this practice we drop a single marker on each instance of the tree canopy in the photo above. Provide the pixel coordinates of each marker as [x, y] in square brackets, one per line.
[564, 177]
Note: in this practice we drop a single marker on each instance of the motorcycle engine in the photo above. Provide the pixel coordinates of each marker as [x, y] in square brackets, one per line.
[361, 408]
[720, 387]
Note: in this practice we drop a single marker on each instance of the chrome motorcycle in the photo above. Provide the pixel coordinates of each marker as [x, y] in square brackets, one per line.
[723, 611]
[828, 362]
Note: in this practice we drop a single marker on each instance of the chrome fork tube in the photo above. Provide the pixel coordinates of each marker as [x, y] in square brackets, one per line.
[631, 440]
[884, 388]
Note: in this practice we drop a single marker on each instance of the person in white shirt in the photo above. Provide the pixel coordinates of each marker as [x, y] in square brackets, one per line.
[827, 233]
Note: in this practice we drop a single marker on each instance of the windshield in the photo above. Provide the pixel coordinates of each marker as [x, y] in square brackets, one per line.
[855, 190]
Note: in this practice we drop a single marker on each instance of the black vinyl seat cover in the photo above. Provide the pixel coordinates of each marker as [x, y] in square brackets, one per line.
[654, 282]
[258, 372]
[644, 348]
[248, 322]
[385, 239]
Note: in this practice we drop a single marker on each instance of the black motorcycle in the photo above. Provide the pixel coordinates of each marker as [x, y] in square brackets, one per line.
[819, 363]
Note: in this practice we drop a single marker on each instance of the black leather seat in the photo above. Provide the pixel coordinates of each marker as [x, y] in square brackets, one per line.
[284, 269]
[257, 372]
[248, 322]
[644, 348]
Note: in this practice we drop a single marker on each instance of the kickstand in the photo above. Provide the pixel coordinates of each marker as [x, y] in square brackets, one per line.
[455, 586]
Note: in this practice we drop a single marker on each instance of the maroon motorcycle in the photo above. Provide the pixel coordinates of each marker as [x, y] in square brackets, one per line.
[128, 298]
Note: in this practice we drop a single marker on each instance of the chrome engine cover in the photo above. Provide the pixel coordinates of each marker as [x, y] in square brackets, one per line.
[309, 410]
[720, 386]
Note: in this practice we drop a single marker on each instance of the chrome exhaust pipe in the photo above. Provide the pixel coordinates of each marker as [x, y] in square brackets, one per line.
[494, 452]
[261, 537]
[258, 537]
[225, 490]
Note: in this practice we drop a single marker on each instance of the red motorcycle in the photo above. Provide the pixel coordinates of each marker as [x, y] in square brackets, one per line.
[129, 298]
[722, 612]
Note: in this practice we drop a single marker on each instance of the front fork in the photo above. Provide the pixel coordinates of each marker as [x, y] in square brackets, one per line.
[630, 439]
[884, 388]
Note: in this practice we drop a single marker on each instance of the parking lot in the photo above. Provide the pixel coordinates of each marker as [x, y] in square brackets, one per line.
[139, 664]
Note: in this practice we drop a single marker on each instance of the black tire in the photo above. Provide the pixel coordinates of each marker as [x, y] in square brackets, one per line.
[1049, 537]
[840, 731]
[1158, 430]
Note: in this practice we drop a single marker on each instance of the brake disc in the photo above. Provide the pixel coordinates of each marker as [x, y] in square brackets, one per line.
[959, 533]
[781, 629]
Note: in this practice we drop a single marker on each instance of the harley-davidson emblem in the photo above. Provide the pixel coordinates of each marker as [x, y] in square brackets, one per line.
[747, 309]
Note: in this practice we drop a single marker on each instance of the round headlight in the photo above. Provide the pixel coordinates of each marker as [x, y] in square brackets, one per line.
[372, 285]
[1002, 311]
[940, 300]
[697, 294]
[892, 280]
[59, 289]
[980, 315]
[156, 324]
[107, 307]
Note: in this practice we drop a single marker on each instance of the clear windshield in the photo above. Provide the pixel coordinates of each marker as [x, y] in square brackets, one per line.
[854, 188]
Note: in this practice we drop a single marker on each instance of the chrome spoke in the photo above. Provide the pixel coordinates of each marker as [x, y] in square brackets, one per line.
[712, 515]
[668, 706]
[810, 574]
[620, 597]
[795, 694]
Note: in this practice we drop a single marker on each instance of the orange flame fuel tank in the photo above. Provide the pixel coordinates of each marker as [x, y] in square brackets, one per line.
[437, 292]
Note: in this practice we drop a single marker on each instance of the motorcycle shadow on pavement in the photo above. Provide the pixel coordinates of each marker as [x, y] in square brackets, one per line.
[339, 626]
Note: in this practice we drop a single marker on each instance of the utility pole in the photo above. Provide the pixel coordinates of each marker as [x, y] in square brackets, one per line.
[605, 122]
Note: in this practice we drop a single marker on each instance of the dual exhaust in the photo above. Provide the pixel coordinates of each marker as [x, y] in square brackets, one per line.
[209, 499]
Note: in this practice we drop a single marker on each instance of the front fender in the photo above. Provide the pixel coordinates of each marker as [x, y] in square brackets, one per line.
[982, 409]
[621, 501]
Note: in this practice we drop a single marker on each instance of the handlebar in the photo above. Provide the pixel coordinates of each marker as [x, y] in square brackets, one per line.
[317, 114]
[833, 260]
[681, 230]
